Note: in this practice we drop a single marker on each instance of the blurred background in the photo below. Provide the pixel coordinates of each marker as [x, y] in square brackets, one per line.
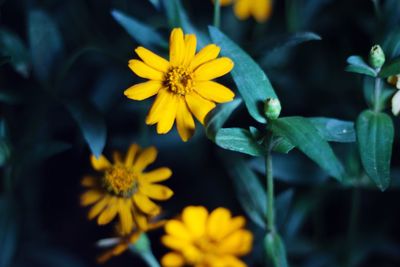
[62, 78]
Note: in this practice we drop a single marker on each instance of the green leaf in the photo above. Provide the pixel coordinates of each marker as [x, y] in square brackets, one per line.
[91, 124]
[249, 190]
[282, 206]
[302, 134]
[45, 44]
[250, 79]
[391, 68]
[142, 248]
[358, 65]
[239, 140]
[276, 250]
[333, 130]
[142, 33]
[281, 145]
[156, 3]
[375, 133]
[218, 116]
[11, 45]
[8, 231]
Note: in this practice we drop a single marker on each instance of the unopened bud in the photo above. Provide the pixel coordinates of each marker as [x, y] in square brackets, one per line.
[376, 57]
[272, 108]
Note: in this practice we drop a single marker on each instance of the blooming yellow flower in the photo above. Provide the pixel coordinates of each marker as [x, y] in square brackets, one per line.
[125, 188]
[395, 81]
[210, 240]
[183, 84]
[260, 9]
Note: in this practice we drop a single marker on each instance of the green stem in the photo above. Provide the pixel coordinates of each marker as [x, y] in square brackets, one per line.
[217, 13]
[270, 192]
[377, 94]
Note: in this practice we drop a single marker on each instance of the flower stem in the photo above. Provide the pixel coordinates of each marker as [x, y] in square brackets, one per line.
[270, 192]
[377, 94]
[217, 13]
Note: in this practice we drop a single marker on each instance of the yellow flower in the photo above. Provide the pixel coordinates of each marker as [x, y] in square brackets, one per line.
[224, 2]
[261, 10]
[183, 84]
[125, 188]
[122, 242]
[202, 239]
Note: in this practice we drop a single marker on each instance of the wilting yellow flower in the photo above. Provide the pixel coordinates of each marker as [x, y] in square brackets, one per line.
[203, 239]
[395, 81]
[125, 188]
[121, 243]
[183, 84]
[260, 9]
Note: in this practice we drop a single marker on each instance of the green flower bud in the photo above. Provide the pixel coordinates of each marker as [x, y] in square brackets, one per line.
[272, 108]
[376, 57]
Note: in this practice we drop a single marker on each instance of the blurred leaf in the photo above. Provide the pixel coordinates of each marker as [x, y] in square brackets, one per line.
[250, 79]
[156, 3]
[301, 133]
[281, 145]
[375, 133]
[91, 124]
[282, 206]
[276, 250]
[358, 65]
[11, 45]
[249, 190]
[218, 116]
[143, 249]
[142, 33]
[391, 68]
[45, 44]
[8, 231]
[300, 14]
[10, 96]
[5, 151]
[239, 140]
[333, 130]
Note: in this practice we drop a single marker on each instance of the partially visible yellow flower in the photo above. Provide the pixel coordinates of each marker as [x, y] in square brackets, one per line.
[202, 239]
[125, 188]
[395, 81]
[261, 10]
[224, 2]
[183, 84]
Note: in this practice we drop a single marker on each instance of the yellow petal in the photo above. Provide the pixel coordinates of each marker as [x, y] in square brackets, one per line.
[157, 175]
[178, 230]
[208, 53]
[195, 219]
[174, 243]
[155, 191]
[151, 59]
[100, 164]
[214, 91]
[396, 103]
[199, 106]
[125, 215]
[262, 10]
[143, 91]
[230, 261]
[88, 181]
[109, 213]
[217, 222]
[90, 197]
[130, 155]
[140, 219]
[190, 47]
[145, 71]
[184, 120]
[157, 108]
[145, 158]
[145, 204]
[98, 207]
[117, 157]
[167, 119]
[177, 47]
[172, 259]
[242, 9]
[238, 243]
[213, 69]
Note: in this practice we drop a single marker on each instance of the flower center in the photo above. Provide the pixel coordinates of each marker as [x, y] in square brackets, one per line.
[179, 80]
[206, 245]
[121, 181]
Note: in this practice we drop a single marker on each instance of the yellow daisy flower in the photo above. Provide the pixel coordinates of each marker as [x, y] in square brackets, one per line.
[125, 188]
[203, 239]
[395, 81]
[183, 84]
[261, 10]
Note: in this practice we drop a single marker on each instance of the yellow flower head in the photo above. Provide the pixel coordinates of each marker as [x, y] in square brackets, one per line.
[203, 239]
[395, 81]
[125, 188]
[261, 10]
[183, 84]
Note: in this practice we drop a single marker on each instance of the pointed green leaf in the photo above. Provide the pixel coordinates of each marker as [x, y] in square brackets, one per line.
[276, 250]
[281, 145]
[142, 33]
[358, 65]
[252, 83]
[375, 133]
[239, 140]
[156, 3]
[391, 68]
[333, 130]
[11, 45]
[302, 134]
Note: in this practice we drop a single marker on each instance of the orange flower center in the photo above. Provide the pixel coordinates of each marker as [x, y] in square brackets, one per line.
[121, 181]
[179, 80]
[206, 245]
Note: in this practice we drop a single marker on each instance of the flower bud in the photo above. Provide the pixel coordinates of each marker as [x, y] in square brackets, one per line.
[376, 57]
[272, 108]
